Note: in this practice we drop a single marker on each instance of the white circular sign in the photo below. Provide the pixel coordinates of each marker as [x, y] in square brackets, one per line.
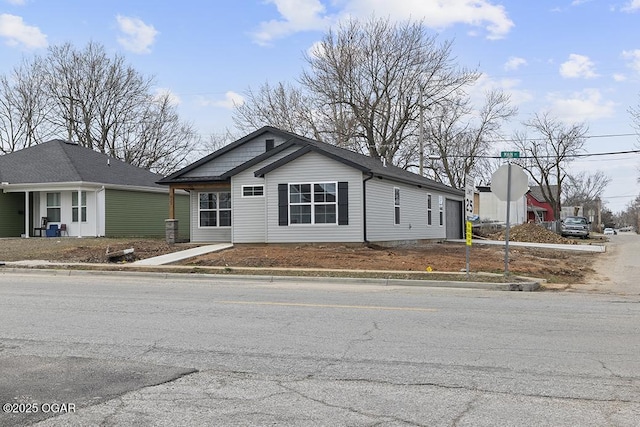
[519, 182]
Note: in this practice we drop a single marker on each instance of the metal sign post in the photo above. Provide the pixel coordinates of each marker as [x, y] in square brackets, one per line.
[468, 208]
[509, 182]
[469, 231]
[506, 233]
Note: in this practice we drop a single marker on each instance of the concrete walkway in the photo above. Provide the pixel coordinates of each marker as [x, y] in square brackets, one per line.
[598, 247]
[179, 256]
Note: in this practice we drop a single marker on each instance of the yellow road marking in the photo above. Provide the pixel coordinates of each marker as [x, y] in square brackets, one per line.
[299, 304]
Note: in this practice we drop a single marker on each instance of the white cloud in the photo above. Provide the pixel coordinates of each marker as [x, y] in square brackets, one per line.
[297, 15]
[634, 58]
[618, 77]
[17, 2]
[578, 66]
[510, 87]
[631, 6]
[231, 100]
[16, 32]
[581, 106]
[311, 15]
[514, 63]
[138, 36]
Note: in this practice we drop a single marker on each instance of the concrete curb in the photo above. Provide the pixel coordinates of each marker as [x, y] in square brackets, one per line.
[530, 285]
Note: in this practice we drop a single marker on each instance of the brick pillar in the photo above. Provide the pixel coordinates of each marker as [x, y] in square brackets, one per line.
[171, 230]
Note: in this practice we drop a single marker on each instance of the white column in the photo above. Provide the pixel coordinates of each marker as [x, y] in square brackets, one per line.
[79, 213]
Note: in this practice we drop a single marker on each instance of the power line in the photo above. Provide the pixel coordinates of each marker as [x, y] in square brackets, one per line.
[610, 153]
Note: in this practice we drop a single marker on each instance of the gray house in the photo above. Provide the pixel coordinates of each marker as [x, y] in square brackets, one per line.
[274, 186]
[58, 184]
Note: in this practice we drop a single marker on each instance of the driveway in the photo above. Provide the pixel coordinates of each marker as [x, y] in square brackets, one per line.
[618, 268]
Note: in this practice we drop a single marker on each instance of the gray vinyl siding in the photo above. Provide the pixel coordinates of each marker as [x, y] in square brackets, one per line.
[249, 213]
[381, 225]
[207, 234]
[235, 157]
[313, 167]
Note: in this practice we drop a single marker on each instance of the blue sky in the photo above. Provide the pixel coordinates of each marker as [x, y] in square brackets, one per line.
[578, 59]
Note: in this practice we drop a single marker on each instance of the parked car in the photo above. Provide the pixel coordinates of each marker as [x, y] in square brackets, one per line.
[575, 226]
[609, 232]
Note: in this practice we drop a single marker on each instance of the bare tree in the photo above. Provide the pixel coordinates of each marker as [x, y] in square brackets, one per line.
[376, 73]
[548, 153]
[98, 101]
[584, 187]
[23, 108]
[362, 89]
[461, 139]
[283, 106]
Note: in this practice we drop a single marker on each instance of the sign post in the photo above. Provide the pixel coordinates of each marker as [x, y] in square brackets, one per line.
[509, 182]
[468, 209]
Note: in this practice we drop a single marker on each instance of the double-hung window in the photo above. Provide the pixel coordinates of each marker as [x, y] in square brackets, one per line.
[428, 209]
[53, 207]
[441, 206]
[214, 209]
[313, 203]
[79, 206]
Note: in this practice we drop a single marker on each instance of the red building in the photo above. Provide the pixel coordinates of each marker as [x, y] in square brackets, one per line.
[538, 209]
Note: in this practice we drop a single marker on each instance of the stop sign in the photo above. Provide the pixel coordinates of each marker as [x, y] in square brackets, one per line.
[500, 180]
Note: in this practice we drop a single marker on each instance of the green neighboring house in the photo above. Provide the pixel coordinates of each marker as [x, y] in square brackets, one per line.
[84, 193]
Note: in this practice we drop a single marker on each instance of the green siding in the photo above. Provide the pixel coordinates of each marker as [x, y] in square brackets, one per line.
[12, 214]
[141, 214]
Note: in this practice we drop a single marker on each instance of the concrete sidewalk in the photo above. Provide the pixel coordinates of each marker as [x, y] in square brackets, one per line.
[180, 255]
[578, 247]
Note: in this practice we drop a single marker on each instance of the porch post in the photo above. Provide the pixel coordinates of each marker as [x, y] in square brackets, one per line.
[171, 224]
[79, 214]
[172, 204]
[26, 215]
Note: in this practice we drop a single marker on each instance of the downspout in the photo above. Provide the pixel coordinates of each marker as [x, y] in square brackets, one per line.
[364, 206]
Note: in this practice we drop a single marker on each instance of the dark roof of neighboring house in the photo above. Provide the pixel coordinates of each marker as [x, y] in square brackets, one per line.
[366, 164]
[536, 192]
[62, 161]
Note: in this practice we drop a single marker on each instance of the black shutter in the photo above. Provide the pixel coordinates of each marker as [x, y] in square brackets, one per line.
[283, 205]
[343, 203]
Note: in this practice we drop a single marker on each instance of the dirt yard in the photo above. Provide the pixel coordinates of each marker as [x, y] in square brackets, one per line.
[556, 266]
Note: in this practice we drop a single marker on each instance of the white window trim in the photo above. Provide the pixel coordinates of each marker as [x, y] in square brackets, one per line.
[251, 186]
[79, 206]
[441, 201]
[396, 206]
[58, 206]
[312, 203]
[217, 211]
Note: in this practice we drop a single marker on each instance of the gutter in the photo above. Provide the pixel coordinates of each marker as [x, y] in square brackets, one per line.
[364, 206]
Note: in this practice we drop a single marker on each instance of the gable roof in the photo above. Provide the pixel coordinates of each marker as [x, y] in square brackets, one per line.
[366, 164]
[58, 161]
[536, 192]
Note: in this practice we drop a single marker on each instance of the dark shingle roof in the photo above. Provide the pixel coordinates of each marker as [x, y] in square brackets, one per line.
[62, 161]
[359, 161]
[536, 192]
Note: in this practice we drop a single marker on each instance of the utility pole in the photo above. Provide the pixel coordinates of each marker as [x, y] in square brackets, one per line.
[421, 136]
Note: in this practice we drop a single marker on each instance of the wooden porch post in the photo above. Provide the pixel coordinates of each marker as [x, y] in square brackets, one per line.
[172, 205]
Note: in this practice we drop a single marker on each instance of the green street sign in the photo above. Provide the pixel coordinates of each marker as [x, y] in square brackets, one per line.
[510, 154]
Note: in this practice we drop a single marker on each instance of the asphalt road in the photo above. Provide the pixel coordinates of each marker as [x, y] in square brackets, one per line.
[194, 352]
